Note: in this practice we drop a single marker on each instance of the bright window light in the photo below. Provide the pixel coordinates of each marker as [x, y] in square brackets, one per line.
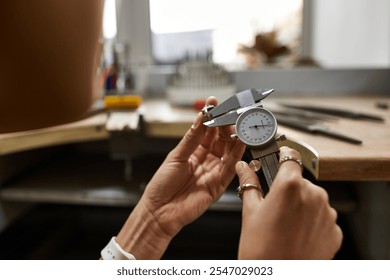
[230, 23]
[109, 19]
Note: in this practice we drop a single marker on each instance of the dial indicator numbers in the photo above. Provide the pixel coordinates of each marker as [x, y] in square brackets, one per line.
[256, 126]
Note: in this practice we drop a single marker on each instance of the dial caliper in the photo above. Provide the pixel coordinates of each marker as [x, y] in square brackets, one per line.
[255, 126]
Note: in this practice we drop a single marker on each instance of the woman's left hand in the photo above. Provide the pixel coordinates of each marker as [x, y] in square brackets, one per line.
[194, 175]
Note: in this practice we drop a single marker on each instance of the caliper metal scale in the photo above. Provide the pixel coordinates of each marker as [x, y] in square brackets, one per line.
[255, 126]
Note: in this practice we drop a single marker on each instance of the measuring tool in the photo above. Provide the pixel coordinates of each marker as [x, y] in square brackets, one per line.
[255, 126]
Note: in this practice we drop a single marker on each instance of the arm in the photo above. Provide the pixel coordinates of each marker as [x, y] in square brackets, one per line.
[294, 221]
[49, 58]
[192, 177]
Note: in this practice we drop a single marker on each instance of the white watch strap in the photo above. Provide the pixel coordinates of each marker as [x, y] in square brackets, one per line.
[113, 251]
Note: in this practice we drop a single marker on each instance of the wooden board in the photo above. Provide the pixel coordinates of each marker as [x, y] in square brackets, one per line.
[89, 129]
[161, 119]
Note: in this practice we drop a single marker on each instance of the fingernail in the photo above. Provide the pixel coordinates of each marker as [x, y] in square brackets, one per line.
[197, 121]
[240, 166]
[283, 149]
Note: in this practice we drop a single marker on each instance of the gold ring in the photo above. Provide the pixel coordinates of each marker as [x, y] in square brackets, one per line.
[244, 187]
[288, 158]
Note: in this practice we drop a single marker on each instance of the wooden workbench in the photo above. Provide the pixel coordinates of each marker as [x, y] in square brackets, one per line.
[325, 158]
[330, 159]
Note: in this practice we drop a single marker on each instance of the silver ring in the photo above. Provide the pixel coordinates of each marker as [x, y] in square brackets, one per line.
[290, 158]
[240, 190]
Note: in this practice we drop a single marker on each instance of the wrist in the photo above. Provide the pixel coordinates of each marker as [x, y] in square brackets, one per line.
[113, 251]
[142, 236]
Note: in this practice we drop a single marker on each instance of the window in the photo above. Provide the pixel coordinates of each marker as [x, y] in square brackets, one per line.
[109, 20]
[198, 27]
[346, 41]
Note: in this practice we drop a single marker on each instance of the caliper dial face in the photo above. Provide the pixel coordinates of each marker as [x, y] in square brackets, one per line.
[256, 126]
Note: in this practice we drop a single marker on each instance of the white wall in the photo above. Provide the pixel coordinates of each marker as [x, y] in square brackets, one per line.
[351, 33]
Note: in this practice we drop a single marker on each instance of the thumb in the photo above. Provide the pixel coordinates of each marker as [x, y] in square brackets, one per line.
[250, 195]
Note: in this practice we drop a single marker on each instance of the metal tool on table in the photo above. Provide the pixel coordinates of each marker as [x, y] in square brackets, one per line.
[337, 112]
[313, 126]
[255, 126]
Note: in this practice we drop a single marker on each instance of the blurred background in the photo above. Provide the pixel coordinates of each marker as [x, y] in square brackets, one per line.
[257, 42]
[66, 201]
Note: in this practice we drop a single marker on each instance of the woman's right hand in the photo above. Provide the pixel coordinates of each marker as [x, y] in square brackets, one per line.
[294, 221]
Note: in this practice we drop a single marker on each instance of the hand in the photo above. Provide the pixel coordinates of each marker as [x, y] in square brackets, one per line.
[193, 176]
[294, 221]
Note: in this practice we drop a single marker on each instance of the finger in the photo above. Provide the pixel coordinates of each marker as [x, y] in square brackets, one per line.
[289, 176]
[212, 100]
[246, 175]
[211, 132]
[221, 142]
[224, 131]
[209, 138]
[290, 161]
[191, 140]
[221, 135]
[233, 154]
[216, 138]
[196, 135]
